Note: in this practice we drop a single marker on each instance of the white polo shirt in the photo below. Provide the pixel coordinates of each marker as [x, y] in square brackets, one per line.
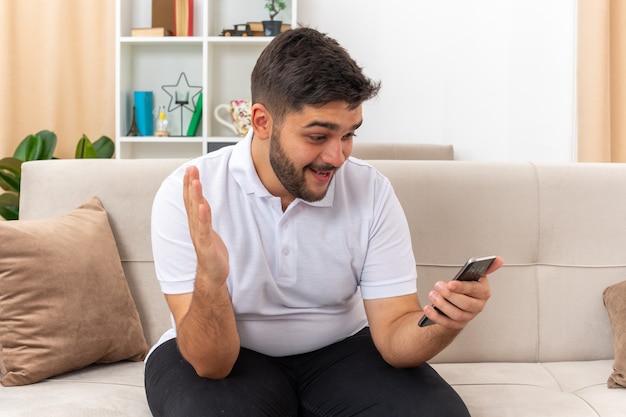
[297, 278]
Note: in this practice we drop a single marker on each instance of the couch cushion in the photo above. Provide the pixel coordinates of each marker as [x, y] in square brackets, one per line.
[572, 389]
[126, 187]
[64, 299]
[406, 151]
[550, 223]
[614, 300]
[111, 390]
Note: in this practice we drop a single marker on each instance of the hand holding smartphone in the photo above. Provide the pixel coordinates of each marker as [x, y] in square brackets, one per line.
[473, 269]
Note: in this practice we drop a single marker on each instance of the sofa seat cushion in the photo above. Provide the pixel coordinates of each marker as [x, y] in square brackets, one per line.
[568, 389]
[111, 390]
[572, 389]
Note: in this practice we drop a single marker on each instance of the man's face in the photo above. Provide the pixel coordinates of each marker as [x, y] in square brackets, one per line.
[309, 146]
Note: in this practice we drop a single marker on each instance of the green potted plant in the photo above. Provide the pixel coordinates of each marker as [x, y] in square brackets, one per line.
[272, 27]
[37, 147]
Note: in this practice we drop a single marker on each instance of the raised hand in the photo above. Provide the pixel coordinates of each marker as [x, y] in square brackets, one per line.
[210, 249]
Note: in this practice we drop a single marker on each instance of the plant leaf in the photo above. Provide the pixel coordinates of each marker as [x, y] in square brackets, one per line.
[38, 146]
[105, 147]
[20, 151]
[9, 206]
[10, 174]
[8, 182]
[49, 143]
[28, 148]
[84, 148]
[12, 165]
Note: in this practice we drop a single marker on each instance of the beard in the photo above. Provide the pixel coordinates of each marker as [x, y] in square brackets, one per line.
[292, 178]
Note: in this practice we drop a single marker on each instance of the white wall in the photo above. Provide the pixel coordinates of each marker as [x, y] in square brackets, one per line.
[495, 78]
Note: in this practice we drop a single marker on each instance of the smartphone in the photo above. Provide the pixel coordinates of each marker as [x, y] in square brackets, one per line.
[473, 269]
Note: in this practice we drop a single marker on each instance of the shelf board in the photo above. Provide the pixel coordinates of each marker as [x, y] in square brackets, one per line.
[192, 40]
[179, 139]
[161, 139]
[246, 40]
[223, 139]
[161, 40]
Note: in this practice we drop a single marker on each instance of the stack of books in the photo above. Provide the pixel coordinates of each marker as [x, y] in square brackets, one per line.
[169, 18]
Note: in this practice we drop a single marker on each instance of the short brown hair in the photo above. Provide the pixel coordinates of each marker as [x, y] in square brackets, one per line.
[305, 67]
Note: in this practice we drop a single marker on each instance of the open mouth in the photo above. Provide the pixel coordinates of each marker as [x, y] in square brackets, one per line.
[322, 176]
[321, 173]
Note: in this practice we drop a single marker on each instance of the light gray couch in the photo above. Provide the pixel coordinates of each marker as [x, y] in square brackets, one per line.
[408, 151]
[543, 346]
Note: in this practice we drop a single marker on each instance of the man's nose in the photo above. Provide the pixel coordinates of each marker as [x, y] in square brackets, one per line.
[333, 153]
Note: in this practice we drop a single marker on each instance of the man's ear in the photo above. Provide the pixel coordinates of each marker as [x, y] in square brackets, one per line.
[261, 121]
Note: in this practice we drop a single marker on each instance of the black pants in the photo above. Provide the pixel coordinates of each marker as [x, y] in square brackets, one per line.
[348, 378]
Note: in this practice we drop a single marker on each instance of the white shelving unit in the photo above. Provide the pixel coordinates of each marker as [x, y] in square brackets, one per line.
[220, 65]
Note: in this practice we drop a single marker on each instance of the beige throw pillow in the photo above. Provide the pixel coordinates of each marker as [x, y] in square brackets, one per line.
[64, 300]
[615, 302]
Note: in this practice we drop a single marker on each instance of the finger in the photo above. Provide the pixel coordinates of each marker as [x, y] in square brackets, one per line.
[450, 314]
[438, 317]
[456, 290]
[495, 265]
[459, 286]
[203, 210]
[187, 179]
[197, 207]
[186, 189]
[461, 297]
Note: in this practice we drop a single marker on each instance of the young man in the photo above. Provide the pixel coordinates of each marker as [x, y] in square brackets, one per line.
[288, 266]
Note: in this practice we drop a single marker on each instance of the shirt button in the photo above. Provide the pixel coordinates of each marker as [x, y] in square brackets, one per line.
[285, 252]
[285, 226]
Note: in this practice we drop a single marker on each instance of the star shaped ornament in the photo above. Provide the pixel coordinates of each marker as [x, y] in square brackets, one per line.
[182, 94]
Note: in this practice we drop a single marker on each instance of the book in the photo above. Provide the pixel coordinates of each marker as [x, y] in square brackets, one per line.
[163, 14]
[183, 17]
[150, 32]
[195, 119]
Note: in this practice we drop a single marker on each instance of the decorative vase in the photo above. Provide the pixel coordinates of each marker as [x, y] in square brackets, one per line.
[272, 27]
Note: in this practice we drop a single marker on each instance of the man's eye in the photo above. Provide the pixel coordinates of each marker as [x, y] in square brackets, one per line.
[317, 138]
